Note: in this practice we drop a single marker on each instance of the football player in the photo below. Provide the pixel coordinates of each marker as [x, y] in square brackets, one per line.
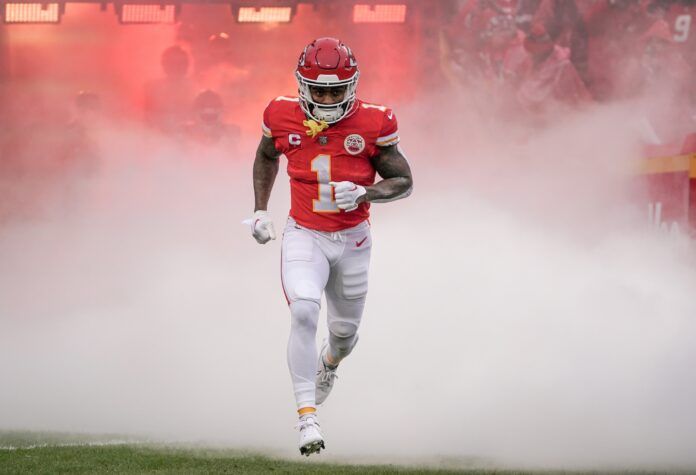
[334, 144]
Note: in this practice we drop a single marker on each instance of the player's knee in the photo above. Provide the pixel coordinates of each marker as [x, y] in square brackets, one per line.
[342, 338]
[343, 330]
[305, 313]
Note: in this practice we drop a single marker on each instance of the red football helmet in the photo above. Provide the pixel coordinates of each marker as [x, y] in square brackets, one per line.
[327, 62]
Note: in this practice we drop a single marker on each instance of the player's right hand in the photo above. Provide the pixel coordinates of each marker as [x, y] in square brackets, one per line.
[261, 227]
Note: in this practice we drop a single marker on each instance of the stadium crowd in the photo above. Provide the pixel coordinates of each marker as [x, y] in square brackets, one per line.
[538, 56]
[520, 59]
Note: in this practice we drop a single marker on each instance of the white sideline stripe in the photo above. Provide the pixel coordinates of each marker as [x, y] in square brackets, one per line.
[73, 444]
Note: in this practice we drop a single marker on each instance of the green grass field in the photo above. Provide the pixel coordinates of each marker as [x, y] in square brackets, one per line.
[49, 453]
[54, 453]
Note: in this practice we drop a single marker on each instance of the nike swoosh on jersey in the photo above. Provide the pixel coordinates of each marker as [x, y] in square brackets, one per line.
[361, 242]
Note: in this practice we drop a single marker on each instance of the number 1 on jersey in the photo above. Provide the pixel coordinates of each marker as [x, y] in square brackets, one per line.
[321, 164]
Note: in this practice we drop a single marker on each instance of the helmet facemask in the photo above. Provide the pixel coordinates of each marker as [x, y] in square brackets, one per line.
[329, 113]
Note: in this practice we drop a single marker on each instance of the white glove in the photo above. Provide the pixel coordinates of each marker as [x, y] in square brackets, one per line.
[347, 193]
[261, 226]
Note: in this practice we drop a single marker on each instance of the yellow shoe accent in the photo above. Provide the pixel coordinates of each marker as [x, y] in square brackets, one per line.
[306, 410]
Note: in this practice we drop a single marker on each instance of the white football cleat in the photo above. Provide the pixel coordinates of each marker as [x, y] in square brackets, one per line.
[311, 440]
[325, 376]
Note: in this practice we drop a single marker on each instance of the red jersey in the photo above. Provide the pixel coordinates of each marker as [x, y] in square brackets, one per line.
[342, 152]
[682, 21]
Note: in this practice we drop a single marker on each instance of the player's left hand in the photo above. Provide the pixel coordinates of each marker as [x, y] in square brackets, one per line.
[347, 194]
[261, 226]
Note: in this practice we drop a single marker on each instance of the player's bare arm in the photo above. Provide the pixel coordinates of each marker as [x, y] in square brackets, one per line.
[265, 172]
[397, 181]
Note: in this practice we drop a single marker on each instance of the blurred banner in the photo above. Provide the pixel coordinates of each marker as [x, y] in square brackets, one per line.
[670, 190]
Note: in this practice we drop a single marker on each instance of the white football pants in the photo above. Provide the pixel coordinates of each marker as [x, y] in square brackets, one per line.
[312, 263]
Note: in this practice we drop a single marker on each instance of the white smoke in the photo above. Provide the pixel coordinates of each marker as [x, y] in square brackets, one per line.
[520, 312]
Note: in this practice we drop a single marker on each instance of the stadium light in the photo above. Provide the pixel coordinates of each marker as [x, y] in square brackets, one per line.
[264, 14]
[131, 13]
[33, 12]
[391, 13]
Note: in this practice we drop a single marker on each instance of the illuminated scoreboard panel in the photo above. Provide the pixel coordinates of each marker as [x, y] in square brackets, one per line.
[391, 13]
[133, 13]
[32, 13]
